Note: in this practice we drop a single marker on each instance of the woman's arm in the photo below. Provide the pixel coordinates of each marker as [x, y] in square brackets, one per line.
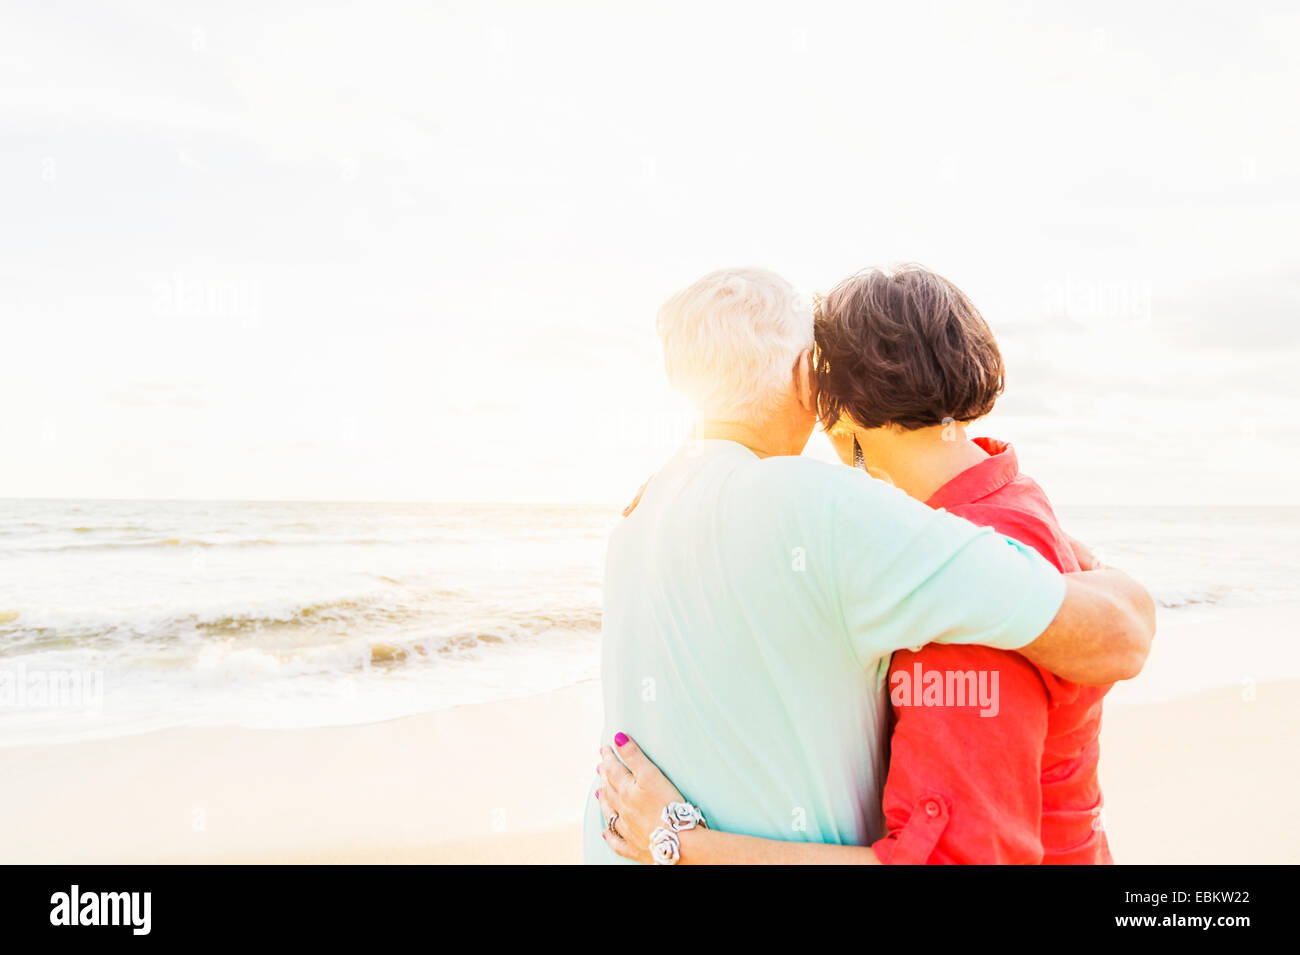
[634, 788]
[708, 847]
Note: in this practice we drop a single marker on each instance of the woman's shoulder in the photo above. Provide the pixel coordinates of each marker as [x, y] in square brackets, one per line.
[1021, 510]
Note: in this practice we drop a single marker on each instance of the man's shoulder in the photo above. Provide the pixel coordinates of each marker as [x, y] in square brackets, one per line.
[802, 478]
[805, 496]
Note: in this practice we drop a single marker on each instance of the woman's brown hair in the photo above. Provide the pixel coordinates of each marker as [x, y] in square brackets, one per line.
[904, 347]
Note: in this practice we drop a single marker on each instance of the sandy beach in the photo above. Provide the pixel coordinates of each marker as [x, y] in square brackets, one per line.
[1188, 779]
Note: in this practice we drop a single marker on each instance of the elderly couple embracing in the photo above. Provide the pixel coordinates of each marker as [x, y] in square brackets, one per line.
[899, 660]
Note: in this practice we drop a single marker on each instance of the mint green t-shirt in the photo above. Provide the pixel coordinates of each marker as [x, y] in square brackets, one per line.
[749, 606]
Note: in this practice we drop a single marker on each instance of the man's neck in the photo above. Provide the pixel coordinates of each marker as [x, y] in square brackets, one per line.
[922, 461]
[761, 441]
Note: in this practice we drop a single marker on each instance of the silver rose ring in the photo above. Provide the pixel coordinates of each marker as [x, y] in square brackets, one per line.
[610, 825]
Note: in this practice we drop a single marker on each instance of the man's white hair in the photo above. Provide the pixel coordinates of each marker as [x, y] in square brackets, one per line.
[731, 339]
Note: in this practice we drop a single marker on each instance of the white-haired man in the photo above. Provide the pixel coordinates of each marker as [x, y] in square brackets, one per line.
[752, 595]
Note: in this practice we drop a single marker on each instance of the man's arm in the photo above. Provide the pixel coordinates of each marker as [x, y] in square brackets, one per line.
[908, 575]
[1103, 631]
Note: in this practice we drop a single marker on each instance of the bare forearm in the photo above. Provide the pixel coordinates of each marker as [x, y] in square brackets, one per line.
[710, 847]
[1103, 631]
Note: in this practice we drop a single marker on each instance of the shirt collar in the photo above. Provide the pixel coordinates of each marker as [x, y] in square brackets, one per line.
[999, 469]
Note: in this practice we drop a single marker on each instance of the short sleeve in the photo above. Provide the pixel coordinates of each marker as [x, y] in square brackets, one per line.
[909, 575]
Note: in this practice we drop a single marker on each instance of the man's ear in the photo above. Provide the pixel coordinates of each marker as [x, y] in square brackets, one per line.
[805, 381]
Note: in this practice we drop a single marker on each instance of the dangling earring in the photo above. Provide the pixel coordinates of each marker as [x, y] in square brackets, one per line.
[859, 461]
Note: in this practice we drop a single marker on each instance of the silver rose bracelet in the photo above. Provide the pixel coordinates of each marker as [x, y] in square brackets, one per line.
[665, 847]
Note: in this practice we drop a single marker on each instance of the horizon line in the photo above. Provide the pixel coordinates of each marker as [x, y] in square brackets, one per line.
[536, 502]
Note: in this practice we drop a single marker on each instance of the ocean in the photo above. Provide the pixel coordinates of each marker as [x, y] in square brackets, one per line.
[124, 616]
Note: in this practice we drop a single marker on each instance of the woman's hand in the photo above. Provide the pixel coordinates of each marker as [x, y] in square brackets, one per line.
[638, 792]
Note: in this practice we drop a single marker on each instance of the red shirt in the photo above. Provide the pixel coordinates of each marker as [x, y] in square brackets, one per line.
[1018, 784]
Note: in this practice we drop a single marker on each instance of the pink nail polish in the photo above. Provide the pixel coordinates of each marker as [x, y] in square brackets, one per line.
[620, 739]
[597, 793]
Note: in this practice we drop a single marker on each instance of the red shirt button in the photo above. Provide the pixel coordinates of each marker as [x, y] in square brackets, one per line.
[931, 807]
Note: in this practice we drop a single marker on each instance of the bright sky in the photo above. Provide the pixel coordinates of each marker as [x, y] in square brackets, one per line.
[414, 251]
